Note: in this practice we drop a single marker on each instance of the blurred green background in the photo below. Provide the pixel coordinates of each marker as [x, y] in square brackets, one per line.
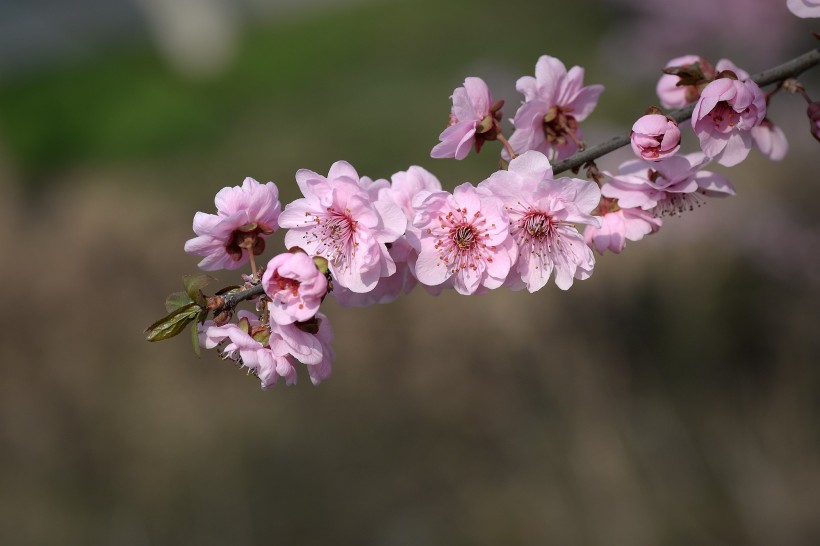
[673, 398]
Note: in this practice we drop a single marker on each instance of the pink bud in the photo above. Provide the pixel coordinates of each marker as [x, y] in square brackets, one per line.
[655, 137]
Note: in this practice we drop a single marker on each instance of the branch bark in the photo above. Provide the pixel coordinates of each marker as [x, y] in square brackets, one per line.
[226, 302]
[789, 69]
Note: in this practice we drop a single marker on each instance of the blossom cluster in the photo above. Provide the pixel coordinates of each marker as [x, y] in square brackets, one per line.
[364, 241]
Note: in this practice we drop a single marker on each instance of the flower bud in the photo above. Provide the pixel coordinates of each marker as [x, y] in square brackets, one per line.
[655, 137]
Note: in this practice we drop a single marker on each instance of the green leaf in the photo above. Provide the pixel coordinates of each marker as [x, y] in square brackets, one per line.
[176, 300]
[227, 289]
[173, 323]
[194, 285]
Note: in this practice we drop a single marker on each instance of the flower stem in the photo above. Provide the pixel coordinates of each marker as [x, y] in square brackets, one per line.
[507, 146]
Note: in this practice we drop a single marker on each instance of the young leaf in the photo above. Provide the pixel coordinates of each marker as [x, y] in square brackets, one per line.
[176, 300]
[194, 285]
[173, 323]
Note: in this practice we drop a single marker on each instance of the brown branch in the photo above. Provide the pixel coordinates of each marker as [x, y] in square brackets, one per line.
[226, 302]
[789, 69]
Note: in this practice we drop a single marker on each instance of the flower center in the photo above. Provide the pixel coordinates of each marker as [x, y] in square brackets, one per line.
[284, 284]
[724, 117]
[559, 125]
[247, 237]
[461, 244]
[336, 233]
[536, 224]
[464, 237]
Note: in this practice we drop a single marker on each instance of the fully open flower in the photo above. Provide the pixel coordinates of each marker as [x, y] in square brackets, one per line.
[245, 215]
[543, 213]
[724, 117]
[554, 102]
[655, 137]
[401, 190]
[338, 220]
[667, 187]
[295, 286]
[464, 237]
[473, 119]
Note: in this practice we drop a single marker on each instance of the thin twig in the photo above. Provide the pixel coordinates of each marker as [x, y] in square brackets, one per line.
[789, 69]
[232, 299]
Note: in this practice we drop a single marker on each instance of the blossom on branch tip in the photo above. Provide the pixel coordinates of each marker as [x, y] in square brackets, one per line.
[245, 215]
[543, 213]
[295, 286]
[473, 119]
[554, 102]
[337, 220]
[464, 238]
[724, 117]
[655, 137]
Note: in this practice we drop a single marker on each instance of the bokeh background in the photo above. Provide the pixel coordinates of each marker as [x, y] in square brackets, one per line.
[673, 398]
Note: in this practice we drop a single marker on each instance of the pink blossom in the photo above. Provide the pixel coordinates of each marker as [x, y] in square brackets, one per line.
[244, 347]
[804, 8]
[295, 286]
[813, 111]
[770, 140]
[655, 137]
[271, 351]
[473, 119]
[464, 237]
[667, 187]
[403, 187]
[338, 220]
[321, 370]
[725, 64]
[724, 116]
[542, 215]
[670, 91]
[619, 225]
[554, 102]
[245, 215]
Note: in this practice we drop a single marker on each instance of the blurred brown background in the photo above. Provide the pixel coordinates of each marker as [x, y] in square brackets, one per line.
[673, 398]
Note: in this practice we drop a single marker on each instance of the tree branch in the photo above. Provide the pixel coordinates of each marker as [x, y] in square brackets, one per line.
[227, 302]
[789, 69]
